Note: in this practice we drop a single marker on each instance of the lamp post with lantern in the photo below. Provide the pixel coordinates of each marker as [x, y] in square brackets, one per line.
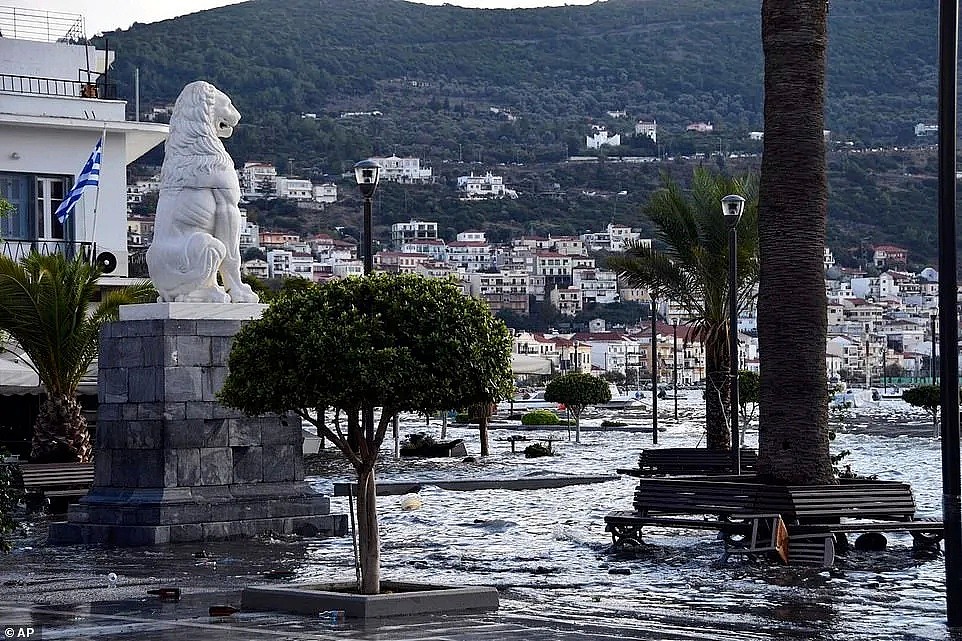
[732, 208]
[367, 172]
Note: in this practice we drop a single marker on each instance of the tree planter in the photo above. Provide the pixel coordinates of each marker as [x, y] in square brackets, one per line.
[396, 599]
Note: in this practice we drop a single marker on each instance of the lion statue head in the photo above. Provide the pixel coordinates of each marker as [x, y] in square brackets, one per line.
[202, 115]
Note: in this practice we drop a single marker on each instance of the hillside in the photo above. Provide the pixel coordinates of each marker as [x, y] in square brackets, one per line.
[434, 73]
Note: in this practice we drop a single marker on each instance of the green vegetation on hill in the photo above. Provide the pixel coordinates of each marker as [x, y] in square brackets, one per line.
[435, 73]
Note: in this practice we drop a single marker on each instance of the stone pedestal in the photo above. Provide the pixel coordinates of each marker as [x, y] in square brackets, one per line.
[173, 464]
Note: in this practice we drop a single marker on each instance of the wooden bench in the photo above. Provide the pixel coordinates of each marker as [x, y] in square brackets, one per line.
[55, 483]
[689, 461]
[747, 513]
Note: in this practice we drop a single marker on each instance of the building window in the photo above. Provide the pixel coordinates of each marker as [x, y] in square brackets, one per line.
[35, 200]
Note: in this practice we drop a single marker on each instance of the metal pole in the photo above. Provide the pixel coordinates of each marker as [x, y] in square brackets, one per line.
[368, 416]
[654, 374]
[932, 357]
[368, 245]
[948, 312]
[674, 373]
[733, 345]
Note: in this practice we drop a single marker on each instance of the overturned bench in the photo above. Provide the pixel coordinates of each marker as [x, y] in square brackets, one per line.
[698, 461]
[750, 515]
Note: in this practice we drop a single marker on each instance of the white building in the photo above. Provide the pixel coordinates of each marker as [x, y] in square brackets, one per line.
[504, 289]
[473, 256]
[645, 128]
[250, 233]
[488, 186]
[47, 135]
[257, 180]
[596, 285]
[403, 170]
[601, 138]
[294, 188]
[413, 231]
[325, 193]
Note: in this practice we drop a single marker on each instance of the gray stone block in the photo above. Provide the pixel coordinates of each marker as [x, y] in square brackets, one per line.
[102, 468]
[222, 411]
[111, 434]
[219, 327]
[216, 432]
[199, 409]
[112, 385]
[216, 466]
[186, 433]
[170, 467]
[175, 411]
[244, 431]
[188, 466]
[186, 532]
[139, 328]
[143, 435]
[274, 432]
[153, 350]
[220, 349]
[130, 411]
[278, 463]
[213, 380]
[181, 384]
[150, 468]
[143, 385]
[192, 351]
[248, 466]
[150, 411]
[178, 327]
[109, 412]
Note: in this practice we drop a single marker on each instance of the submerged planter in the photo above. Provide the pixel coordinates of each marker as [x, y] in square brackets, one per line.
[396, 599]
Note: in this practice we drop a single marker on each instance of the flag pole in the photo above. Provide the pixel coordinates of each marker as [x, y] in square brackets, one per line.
[93, 231]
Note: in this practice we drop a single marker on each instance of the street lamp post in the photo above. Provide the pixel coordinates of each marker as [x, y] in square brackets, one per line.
[367, 173]
[654, 373]
[732, 208]
[948, 307]
[674, 373]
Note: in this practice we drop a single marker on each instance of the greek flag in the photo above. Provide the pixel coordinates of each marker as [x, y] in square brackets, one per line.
[89, 176]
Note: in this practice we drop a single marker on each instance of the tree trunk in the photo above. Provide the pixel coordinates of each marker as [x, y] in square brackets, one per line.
[717, 389]
[793, 204]
[369, 545]
[483, 432]
[577, 416]
[60, 432]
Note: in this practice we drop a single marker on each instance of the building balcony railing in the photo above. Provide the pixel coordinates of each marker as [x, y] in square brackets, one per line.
[18, 249]
[32, 85]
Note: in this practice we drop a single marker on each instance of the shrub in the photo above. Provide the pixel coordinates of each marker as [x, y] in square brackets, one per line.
[607, 423]
[9, 498]
[540, 417]
[538, 450]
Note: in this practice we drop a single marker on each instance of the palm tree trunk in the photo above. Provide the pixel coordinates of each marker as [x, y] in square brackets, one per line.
[717, 389]
[793, 204]
[369, 547]
[60, 432]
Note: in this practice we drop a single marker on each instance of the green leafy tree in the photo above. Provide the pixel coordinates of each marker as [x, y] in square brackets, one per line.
[689, 266]
[929, 398]
[402, 343]
[577, 391]
[793, 433]
[46, 308]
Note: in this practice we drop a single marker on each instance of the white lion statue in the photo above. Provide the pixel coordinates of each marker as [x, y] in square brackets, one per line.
[197, 227]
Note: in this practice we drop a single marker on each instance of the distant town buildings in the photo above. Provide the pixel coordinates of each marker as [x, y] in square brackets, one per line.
[403, 170]
[600, 137]
[646, 128]
[481, 187]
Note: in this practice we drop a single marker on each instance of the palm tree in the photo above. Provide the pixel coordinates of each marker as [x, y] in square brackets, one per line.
[793, 431]
[690, 267]
[45, 306]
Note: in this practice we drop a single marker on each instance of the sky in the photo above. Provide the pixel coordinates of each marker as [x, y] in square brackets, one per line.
[106, 15]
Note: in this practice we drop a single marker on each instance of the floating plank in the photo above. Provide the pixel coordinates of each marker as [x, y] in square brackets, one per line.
[393, 488]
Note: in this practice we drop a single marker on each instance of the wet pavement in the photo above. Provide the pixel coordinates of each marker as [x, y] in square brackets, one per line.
[545, 550]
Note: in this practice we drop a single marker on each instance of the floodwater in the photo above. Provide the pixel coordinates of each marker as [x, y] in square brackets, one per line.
[548, 553]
